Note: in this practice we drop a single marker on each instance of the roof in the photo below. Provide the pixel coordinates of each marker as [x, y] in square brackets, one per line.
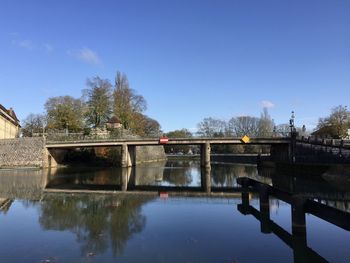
[114, 119]
[10, 115]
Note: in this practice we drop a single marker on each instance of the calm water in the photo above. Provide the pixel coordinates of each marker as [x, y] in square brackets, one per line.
[37, 226]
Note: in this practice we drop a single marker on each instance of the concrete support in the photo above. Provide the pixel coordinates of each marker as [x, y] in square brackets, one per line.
[48, 160]
[206, 179]
[205, 155]
[128, 158]
[280, 152]
[124, 179]
[132, 155]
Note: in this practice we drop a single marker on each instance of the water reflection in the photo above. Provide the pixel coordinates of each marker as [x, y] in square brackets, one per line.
[300, 205]
[99, 222]
[22, 184]
[114, 226]
[175, 174]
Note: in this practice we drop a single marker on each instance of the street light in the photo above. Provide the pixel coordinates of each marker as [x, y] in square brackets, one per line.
[291, 122]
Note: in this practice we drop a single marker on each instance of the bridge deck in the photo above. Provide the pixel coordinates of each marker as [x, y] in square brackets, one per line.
[172, 141]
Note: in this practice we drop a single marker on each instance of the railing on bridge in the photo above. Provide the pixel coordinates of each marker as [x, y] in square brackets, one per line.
[324, 142]
[103, 135]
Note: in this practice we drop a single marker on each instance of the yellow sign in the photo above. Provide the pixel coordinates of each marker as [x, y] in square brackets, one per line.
[245, 139]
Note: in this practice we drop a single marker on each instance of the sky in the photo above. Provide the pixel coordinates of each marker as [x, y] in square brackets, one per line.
[190, 59]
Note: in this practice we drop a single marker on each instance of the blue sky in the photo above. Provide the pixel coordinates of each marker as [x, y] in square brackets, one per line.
[189, 59]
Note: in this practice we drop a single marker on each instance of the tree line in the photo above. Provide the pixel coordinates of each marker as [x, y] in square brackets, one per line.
[99, 102]
[336, 126]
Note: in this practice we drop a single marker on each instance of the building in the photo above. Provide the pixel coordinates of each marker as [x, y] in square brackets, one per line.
[113, 123]
[9, 123]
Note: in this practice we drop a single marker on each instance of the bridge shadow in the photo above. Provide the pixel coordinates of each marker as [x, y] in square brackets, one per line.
[300, 205]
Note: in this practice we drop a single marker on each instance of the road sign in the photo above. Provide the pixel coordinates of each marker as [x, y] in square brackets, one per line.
[163, 140]
[245, 139]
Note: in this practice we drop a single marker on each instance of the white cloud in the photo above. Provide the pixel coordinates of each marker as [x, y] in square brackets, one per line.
[48, 47]
[26, 44]
[29, 45]
[267, 104]
[87, 55]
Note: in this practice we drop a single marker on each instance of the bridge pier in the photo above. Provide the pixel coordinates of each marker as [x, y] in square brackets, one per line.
[281, 153]
[128, 155]
[206, 180]
[125, 178]
[48, 160]
[205, 155]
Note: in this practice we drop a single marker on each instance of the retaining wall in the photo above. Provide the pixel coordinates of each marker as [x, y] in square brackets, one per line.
[21, 152]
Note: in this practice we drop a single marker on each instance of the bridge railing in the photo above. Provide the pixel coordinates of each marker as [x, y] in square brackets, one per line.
[325, 142]
[64, 136]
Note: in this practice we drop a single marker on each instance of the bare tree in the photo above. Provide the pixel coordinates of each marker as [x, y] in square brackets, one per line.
[98, 103]
[245, 125]
[211, 127]
[126, 101]
[265, 124]
[34, 123]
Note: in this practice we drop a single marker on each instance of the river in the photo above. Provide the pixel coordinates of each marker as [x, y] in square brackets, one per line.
[169, 212]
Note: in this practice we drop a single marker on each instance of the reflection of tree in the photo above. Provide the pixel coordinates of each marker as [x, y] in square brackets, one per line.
[226, 175]
[179, 176]
[180, 173]
[97, 221]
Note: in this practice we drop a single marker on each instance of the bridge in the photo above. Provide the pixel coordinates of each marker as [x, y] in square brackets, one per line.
[128, 146]
[282, 149]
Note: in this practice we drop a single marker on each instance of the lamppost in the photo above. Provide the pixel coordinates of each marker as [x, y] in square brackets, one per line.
[291, 123]
[293, 136]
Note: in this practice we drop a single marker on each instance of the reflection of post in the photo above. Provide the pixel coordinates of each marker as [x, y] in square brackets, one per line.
[125, 178]
[298, 217]
[205, 154]
[299, 229]
[245, 193]
[264, 209]
[205, 179]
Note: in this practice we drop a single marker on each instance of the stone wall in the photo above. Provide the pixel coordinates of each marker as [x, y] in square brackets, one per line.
[21, 152]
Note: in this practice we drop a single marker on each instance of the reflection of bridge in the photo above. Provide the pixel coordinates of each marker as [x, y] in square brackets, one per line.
[297, 240]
